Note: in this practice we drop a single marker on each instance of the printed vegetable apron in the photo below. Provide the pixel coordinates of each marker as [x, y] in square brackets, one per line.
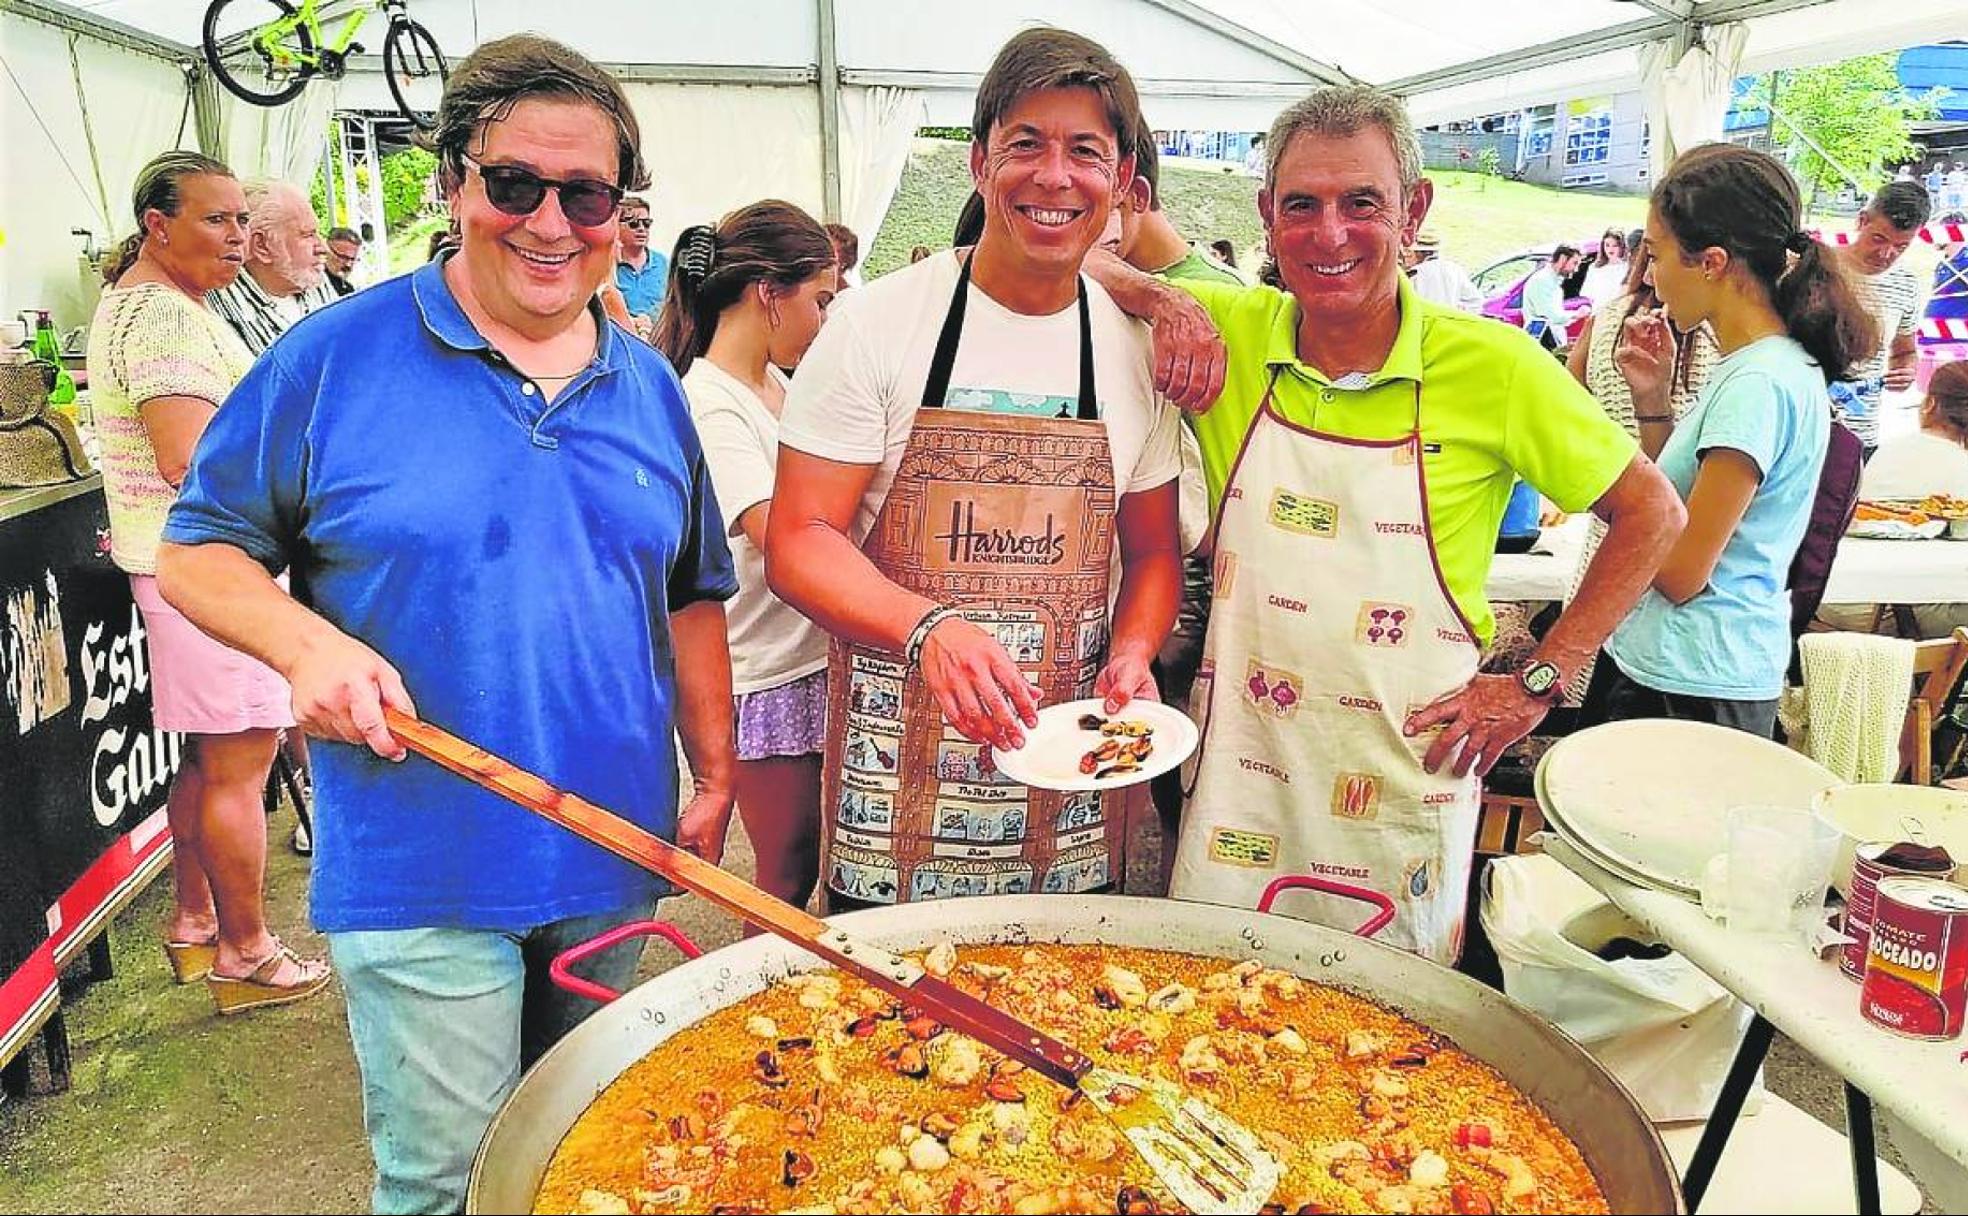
[1331, 623]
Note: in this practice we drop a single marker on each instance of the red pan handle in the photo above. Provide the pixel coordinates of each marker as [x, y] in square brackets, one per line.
[1306, 882]
[565, 978]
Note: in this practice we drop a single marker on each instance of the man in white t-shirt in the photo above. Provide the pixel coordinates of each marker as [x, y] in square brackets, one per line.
[976, 494]
[1891, 293]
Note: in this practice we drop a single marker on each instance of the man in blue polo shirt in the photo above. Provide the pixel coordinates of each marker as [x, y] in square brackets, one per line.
[514, 525]
[640, 272]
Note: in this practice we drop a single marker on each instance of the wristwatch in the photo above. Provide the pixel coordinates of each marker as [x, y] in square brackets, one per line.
[1542, 681]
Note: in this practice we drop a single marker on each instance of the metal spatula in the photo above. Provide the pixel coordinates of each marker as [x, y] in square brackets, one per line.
[1208, 1161]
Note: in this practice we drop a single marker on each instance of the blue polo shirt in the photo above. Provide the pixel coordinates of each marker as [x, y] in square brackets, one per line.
[517, 562]
[642, 289]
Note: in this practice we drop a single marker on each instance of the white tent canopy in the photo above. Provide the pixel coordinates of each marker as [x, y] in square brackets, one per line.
[814, 100]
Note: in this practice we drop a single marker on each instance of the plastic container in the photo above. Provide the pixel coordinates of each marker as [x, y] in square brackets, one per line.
[1519, 530]
[1927, 814]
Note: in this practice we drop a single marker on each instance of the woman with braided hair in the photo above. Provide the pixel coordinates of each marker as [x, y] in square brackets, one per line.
[1711, 640]
[745, 298]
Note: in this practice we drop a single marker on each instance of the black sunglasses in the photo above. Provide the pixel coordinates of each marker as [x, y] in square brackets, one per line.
[518, 191]
[644, 222]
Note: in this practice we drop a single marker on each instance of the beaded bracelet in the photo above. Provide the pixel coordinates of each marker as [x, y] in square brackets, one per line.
[919, 636]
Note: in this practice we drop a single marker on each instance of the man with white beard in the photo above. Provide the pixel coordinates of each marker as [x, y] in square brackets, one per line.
[285, 276]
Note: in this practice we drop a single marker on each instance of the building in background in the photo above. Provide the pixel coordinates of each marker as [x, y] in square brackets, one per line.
[1602, 141]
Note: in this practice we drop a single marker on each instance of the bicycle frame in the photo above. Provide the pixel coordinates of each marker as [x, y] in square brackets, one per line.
[271, 36]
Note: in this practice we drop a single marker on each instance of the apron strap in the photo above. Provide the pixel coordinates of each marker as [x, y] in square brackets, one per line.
[937, 386]
[1089, 403]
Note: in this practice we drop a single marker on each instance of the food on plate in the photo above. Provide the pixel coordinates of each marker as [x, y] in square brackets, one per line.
[1880, 512]
[1944, 506]
[1123, 746]
[867, 1106]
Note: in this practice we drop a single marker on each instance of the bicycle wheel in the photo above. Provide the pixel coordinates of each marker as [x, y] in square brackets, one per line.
[245, 62]
[416, 72]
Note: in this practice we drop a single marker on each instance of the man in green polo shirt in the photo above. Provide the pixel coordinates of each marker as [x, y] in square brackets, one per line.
[1359, 460]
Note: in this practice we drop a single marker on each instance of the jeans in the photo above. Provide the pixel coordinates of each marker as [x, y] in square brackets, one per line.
[444, 1021]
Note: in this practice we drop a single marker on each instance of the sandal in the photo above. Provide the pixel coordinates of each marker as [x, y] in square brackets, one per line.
[237, 994]
[191, 961]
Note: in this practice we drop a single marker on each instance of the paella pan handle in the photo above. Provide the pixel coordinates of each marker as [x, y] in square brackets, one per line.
[1306, 882]
[565, 978]
[899, 977]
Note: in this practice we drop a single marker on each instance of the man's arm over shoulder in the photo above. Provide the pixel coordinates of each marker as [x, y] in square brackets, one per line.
[1189, 354]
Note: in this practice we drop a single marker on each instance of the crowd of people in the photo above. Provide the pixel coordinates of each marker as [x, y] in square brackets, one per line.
[843, 540]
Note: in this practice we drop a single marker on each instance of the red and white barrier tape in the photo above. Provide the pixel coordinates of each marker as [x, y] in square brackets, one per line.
[1946, 330]
[1933, 234]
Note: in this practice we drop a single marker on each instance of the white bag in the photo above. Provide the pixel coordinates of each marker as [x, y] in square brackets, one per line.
[1665, 1029]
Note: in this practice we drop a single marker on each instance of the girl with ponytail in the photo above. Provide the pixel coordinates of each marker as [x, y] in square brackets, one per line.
[745, 299]
[1711, 639]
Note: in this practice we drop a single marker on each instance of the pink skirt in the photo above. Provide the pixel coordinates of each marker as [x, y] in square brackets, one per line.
[200, 686]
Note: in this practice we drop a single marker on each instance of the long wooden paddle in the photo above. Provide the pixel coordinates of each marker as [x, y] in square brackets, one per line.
[1210, 1162]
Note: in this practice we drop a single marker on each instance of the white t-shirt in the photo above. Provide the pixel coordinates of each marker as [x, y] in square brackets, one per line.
[1603, 283]
[1916, 466]
[1446, 283]
[861, 383]
[1893, 298]
[771, 643]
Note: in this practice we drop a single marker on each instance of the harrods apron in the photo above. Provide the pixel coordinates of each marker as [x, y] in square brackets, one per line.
[1010, 518]
[1330, 624]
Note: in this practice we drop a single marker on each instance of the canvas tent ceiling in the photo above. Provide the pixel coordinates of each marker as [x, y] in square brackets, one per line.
[1421, 47]
[725, 90]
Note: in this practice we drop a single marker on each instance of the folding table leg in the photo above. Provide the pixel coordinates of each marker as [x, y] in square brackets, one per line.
[1865, 1156]
[102, 964]
[14, 1076]
[1728, 1106]
[54, 1041]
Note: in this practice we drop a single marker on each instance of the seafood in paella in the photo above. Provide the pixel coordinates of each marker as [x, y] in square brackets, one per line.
[821, 1094]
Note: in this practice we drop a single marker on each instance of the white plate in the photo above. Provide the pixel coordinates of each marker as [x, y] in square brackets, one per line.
[1895, 529]
[1585, 848]
[1651, 795]
[1050, 759]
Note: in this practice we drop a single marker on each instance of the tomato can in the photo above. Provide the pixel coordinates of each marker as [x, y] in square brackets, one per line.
[1870, 863]
[1916, 978]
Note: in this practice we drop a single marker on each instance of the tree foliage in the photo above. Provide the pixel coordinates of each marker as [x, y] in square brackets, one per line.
[1855, 110]
[406, 179]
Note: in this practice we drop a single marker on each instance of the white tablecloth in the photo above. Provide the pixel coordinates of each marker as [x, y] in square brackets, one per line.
[1545, 573]
[1866, 572]
[1899, 572]
[1923, 1085]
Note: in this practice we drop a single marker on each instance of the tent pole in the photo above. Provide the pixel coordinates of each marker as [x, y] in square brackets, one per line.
[829, 82]
[206, 112]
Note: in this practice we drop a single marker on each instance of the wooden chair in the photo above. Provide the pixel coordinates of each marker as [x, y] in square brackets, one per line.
[1937, 670]
[1507, 824]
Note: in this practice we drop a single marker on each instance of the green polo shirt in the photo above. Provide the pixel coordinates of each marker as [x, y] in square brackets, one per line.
[1495, 406]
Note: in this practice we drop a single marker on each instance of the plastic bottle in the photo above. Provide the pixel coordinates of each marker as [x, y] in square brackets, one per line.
[47, 348]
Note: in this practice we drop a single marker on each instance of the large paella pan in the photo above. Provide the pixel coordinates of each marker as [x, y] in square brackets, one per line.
[1585, 1107]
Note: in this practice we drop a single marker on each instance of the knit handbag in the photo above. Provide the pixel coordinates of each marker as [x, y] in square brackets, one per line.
[37, 446]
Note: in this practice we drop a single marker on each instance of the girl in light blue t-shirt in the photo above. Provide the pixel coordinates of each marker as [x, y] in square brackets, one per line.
[1711, 639]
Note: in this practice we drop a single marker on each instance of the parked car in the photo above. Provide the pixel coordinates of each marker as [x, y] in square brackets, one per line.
[1502, 285]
